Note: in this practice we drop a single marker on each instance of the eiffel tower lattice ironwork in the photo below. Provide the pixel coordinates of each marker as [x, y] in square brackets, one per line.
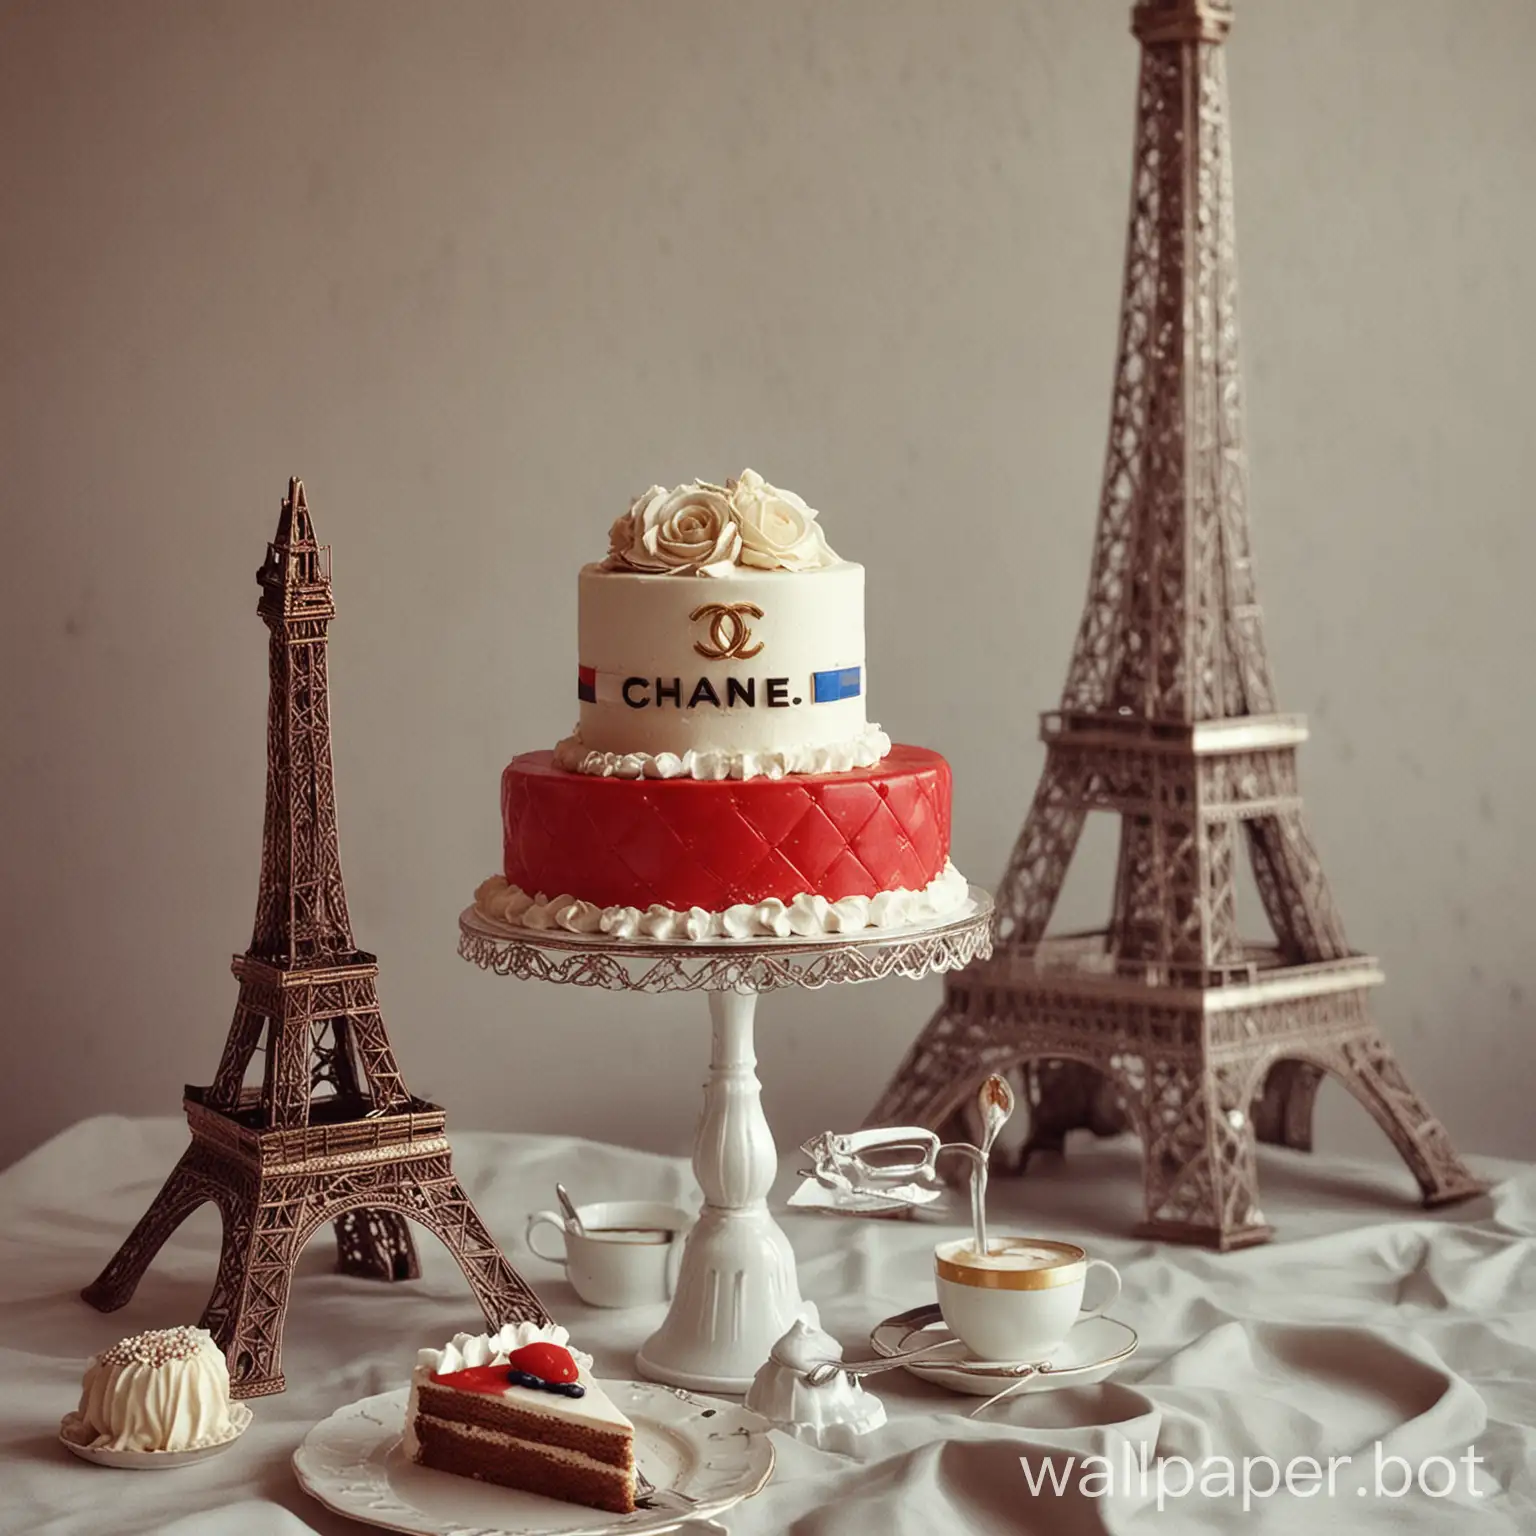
[331, 1133]
[1169, 1020]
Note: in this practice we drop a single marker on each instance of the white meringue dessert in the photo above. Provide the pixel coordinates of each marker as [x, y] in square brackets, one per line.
[164, 1391]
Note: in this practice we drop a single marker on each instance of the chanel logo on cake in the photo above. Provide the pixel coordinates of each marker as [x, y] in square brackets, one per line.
[728, 632]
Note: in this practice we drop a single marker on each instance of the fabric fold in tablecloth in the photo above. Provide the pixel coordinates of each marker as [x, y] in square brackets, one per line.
[1370, 1330]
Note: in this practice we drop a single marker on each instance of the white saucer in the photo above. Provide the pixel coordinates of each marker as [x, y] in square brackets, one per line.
[812, 1197]
[713, 1452]
[1087, 1355]
[76, 1437]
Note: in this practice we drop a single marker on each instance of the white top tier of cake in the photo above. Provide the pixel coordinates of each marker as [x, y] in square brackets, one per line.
[760, 673]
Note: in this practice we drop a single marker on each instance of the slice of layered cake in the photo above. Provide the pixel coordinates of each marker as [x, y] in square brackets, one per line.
[521, 1408]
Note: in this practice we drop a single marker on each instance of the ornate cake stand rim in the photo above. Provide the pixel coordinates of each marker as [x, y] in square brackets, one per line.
[695, 964]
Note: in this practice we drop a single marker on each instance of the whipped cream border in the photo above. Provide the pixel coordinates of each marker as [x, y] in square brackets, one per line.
[865, 750]
[806, 916]
[465, 1350]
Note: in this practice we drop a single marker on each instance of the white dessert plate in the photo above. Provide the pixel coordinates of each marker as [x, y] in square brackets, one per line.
[706, 1449]
[77, 1437]
[1090, 1353]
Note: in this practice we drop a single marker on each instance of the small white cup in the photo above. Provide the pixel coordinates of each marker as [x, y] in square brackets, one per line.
[1021, 1303]
[627, 1257]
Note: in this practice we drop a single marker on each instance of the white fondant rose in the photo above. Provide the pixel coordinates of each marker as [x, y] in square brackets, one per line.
[778, 530]
[687, 530]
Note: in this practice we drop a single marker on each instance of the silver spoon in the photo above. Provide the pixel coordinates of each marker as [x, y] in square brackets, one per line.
[823, 1371]
[573, 1220]
[1023, 1374]
[996, 1104]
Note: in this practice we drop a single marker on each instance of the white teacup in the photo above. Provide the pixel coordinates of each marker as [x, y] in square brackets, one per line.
[1022, 1300]
[628, 1255]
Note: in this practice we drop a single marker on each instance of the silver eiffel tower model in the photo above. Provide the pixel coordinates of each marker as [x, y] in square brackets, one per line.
[1169, 1020]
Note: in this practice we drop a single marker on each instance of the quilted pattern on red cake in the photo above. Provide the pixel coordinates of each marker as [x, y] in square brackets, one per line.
[689, 843]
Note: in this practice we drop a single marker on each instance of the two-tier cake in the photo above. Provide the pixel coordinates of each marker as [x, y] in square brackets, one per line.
[723, 780]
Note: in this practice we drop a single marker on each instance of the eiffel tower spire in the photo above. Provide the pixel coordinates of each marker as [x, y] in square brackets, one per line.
[1170, 1019]
[301, 912]
[1174, 634]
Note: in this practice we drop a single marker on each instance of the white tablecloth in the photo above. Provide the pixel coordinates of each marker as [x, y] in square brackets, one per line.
[1368, 1329]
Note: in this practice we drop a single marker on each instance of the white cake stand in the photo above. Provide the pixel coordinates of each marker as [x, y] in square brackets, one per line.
[737, 1292]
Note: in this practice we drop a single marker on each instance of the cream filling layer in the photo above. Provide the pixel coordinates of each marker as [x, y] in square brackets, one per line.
[807, 916]
[498, 1437]
[866, 749]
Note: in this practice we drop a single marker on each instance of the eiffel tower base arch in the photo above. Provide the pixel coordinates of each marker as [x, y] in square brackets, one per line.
[275, 1190]
[1169, 1021]
[1200, 1079]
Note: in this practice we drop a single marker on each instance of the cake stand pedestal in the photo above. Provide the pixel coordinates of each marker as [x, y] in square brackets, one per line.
[737, 1292]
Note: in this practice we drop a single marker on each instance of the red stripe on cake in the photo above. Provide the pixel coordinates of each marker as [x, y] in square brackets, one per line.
[713, 844]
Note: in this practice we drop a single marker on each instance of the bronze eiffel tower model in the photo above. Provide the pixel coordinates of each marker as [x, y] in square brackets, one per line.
[1168, 1020]
[331, 1133]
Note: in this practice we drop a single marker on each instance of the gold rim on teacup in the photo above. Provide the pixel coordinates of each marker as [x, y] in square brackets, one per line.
[1043, 1277]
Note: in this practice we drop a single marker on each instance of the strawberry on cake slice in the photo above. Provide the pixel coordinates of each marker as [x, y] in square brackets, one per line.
[521, 1408]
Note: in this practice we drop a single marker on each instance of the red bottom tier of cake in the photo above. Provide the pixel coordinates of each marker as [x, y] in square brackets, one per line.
[715, 843]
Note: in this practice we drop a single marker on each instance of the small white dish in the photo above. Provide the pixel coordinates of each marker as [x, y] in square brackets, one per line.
[76, 1436]
[1092, 1351]
[830, 1416]
[708, 1450]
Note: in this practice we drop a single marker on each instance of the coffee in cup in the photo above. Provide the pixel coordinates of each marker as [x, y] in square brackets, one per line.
[1020, 1299]
[627, 1253]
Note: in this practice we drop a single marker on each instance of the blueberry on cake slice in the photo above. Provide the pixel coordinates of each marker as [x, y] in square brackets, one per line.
[521, 1408]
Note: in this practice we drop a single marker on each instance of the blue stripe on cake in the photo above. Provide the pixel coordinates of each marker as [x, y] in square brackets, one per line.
[840, 683]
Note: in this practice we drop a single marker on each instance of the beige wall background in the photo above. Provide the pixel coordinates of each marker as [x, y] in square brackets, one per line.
[480, 272]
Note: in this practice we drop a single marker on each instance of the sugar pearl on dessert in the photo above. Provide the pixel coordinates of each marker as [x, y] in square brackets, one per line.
[158, 1346]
